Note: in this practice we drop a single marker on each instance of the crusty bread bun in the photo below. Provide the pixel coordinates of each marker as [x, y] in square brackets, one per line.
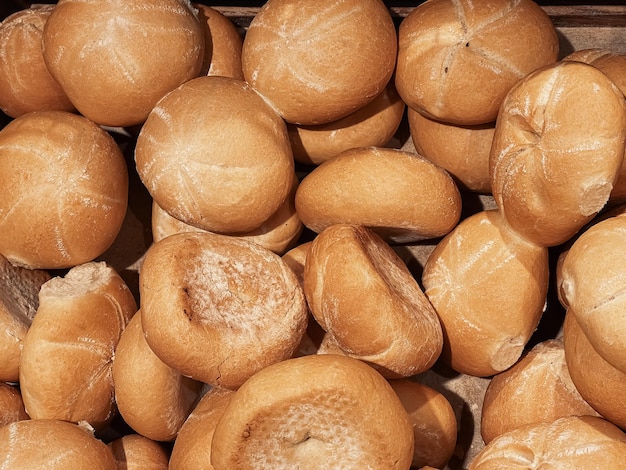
[65, 367]
[317, 62]
[463, 151]
[52, 444]
[219, 308]
[235, 168]
[489, 287]
[433, 420]
[372, 125]
[223, 43]
[137, 452]
[312, 410]
[458, 59]
[192, 447]
[99, 52]
[538, 388]
[25, 82]
[19, 300]
[11, 404]
[296, 258]
[153, 398]
[569, 442]
[554, 161]
[64, 190]
[400, 195]
[363, 295]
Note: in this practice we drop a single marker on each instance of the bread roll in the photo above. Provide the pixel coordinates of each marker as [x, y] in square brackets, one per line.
[457, 60]
[25, 82]
[302, 412]
[236, 166]
[153, 398]
[557, 150]
[372, 125]
[463, 151]
[366, 299]
[569, 442]
[65, 368]
[99, 52]
[400, 195]
[536, 389]
[136, 452]
[64, 190]
[11, 404]
[489, 287]
[219, 308]
[296, 258]
[317, 62]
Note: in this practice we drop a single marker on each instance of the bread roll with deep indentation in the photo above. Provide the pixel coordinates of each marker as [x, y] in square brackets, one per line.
[219, 308]
[318, 62]
[557, 150]
[304, 411]
[11, 404]
[458, 59]
[400, 195]
[137, 452]
[65, 367]
[489, 287]
[231, 175]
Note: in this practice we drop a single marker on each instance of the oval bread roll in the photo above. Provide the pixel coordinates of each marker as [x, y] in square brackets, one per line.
[11, 404]
[137, 452]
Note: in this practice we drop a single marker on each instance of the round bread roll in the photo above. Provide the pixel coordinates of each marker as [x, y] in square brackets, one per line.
[449, 50]
[536, 389]
[569, 442]
[301, 412]
[554, 161]
[19, 300]
[11, 404]
[219, 308]
[463, 151]
[296, 258]
[137, 452]
[223, 43]
[65, 367]
[64, 190]
[235, 168]
[52, 444]
[363, 295]
[25, 82]
[433, 419]
[317, 62]
[153, 398]
[400, 195]
[489, 287]
[110, 57]
[192, 447]
[372, 125]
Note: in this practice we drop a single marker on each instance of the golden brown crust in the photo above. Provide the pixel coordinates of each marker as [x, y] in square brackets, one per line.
[11, 404]
[137, 452]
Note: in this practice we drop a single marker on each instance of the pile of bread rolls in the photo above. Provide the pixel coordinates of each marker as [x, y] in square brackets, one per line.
[281, 245]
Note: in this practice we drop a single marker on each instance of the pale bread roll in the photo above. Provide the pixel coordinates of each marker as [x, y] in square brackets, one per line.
[458, 59]
[557, 150]
[326, 410]
[153, 398]
[25, 82]
[489, 287]
[365, 298]
[99, 52]
[320, 61]
[400, 195]
[536, 389]
[236, 166]
[65, 367]
[137, 452]
[11, 404]
[219, 308]
[64, 190]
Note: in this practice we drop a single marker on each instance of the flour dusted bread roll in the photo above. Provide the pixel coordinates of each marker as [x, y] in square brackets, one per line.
[400, 195]
[236, 166]
[317, 62]
[65, 368]
[64, 190]
[488, 286]
[219, 308]
[301, 412]
[11, 404]
[457, 60]
[137, 452]
[557, 150]
[99, 52]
